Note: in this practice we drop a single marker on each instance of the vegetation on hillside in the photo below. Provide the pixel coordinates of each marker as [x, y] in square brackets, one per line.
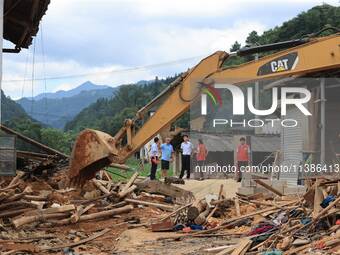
[10, 109]
[108, 115]
[304, 24]
[56, 112]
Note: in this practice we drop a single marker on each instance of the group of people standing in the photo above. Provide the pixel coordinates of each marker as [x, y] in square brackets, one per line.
[165, 152]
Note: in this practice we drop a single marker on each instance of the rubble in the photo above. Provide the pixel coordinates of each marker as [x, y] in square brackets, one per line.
[43, 215]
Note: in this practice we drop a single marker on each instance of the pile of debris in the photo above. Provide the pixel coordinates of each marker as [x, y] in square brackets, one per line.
[266, 223]
[34, 212]
[44, 215]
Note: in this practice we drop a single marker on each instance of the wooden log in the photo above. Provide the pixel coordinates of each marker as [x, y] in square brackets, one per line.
[139, 202]
[80, 211]
[10, 187]
[127, 191]
[176, 211]
[120, 166]
[15, 197]
[17, 204]
[14, 212]
[223, 202]
[36, 218]
[61, 209]
[157, 187]
[98, 215]
[16, 178]
[131, 180]
[100, 187]
[202, 217]
[35, 198]
[197, 207]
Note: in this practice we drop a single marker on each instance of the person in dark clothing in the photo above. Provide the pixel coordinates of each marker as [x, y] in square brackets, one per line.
[186, 147]
[154, 154]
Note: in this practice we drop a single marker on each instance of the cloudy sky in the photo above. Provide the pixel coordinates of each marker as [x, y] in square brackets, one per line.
[109, 41]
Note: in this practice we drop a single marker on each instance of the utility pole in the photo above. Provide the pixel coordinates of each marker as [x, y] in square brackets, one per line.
[257, 96]
[322, 122]
[1, 45]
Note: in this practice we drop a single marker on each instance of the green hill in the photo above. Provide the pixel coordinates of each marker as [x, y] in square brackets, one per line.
[306, 23]
[56, 109]
[10, 109]
[108, 114]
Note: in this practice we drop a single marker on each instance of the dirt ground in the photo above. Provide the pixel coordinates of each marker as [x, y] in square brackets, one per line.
[143, 241]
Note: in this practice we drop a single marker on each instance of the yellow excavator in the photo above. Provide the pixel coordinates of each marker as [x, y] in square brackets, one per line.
[309, 56]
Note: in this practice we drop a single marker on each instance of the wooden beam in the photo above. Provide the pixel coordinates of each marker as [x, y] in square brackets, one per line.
[139, 202]
[268, 187]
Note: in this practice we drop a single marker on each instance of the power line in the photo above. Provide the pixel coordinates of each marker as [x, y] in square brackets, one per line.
[25, 74]
[126, 70]
[33, 63]
[44, 67]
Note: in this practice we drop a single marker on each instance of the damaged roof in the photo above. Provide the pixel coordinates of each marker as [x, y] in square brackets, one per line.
[21, 20]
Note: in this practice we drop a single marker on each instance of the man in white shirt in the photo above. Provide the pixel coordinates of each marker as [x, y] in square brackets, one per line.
[154, 153]
[187, 148]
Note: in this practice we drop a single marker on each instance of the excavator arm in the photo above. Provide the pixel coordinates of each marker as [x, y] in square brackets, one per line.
[94, 149]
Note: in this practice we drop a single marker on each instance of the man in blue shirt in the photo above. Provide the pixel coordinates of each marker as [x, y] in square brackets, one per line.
[167, 156]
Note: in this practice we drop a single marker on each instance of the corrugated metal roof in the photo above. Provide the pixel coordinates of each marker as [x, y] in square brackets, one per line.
[221, 142]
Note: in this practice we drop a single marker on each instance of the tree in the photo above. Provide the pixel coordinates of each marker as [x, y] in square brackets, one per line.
[253, 38]
[235, 47]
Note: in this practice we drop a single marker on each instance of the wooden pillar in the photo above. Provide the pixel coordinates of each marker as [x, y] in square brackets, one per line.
[177, 163]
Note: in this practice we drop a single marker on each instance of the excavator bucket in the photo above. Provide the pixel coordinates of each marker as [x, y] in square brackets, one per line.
[92, 151]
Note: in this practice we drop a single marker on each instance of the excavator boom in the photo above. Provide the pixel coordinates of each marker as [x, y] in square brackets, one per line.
[94, 150]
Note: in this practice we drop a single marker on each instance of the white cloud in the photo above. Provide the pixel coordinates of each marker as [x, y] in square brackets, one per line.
[109, 75]
[203, 8]
[86, 36]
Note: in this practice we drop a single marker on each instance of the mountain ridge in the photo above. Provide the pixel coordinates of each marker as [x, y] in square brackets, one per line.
[60, 107]
[86, 86]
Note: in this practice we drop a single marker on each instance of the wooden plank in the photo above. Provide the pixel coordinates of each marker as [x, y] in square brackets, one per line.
[237, 207]
[158, 187]
[242, 247]
[214, 210]
[139, 202]
[220, 248]
[318, 197]
[268, 187]
[273, 209]
[325, 210]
